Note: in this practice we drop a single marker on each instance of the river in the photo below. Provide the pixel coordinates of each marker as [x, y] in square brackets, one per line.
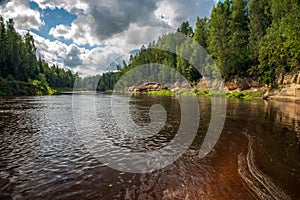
[43, 156]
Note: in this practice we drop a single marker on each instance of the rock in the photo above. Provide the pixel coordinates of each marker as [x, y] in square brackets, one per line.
[242, 84]
[146, 87]
[202, 85]
[266, 95]
[294, 78]
[185, 85]
[290, 91]
[280, 79]
[231, 86]
[176, 85]
[132, 89]
[287, 79]
[255, 84]
[298, 79]
[175, 89]
[297, 92]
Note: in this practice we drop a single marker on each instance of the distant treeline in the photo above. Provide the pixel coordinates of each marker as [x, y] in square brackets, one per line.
[21, 72]
[259, 39]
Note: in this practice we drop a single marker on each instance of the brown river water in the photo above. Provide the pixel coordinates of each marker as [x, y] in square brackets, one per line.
[42, 156]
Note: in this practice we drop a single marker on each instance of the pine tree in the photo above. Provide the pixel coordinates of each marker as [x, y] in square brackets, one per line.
[219, 36]
[201, 31]
[186, 29]
[238, 39]
[259, 21]
[3, 50]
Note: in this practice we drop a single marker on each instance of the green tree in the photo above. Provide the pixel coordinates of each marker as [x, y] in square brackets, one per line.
[238, 39]
[186, 29]
[201, 31]
[279, 50]
[218, 38]
[260, 19]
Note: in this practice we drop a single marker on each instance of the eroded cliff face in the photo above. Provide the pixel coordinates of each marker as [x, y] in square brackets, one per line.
[289, 87]
[288, 79]
[292, 90]
[237, 84]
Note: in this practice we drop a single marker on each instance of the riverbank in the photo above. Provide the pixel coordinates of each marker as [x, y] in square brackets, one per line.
[288, 89]
[31, 88]
[287, 93]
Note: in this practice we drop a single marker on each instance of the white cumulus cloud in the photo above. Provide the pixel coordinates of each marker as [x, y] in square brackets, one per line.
[114, 28]
[24, 17]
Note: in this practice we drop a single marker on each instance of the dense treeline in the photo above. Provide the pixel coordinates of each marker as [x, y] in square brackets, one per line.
[246, 38]
[21, 72]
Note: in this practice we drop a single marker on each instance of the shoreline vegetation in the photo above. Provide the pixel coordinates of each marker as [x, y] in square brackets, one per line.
[254, 45]
[22, 72]
[245, 90]
[244, 95]
[283, 94]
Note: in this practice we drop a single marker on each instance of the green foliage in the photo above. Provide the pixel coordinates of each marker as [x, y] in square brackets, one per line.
[238, 39]
[244, 95]
[21, 70]
[259, 21]
[201, 31]
[186, 29]
[228, 38]
[248, 38]
[218, 44]
[162, 92]
[256, 38]
[280, 48]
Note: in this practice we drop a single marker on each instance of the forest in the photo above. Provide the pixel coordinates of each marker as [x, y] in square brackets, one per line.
[258, 39]
[21, 72]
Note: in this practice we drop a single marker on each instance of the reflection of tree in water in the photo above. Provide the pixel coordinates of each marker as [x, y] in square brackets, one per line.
[289, 114]
[276, 145]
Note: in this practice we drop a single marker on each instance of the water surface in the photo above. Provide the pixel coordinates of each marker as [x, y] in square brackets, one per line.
[43, 157]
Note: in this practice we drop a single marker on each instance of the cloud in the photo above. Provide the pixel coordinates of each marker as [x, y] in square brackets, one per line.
[72, 6]
[114, 28]
[174, 12]
[72, 57]
[78, 59]
[81, 32]
[24, 17]
[100, 20]
[104, 19]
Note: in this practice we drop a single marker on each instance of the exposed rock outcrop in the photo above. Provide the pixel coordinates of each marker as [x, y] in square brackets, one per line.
[238, 84]
[146, 87]
[288, 93]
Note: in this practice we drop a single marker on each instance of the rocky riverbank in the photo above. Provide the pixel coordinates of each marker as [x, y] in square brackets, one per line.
[288, 88]
[287, 93]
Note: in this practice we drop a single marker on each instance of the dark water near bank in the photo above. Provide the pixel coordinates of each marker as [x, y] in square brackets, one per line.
[42, 156]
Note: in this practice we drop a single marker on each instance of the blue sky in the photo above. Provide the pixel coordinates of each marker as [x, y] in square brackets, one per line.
[52, 18]
[87, 35]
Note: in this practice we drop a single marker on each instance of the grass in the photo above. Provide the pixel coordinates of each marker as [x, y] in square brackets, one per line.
[161, 92]
[246, 95]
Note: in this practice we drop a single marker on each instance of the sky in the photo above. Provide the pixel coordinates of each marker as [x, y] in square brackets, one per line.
[90, 36]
